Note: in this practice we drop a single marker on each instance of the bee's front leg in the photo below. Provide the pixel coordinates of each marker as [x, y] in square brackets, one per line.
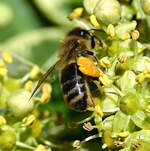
[90, 53]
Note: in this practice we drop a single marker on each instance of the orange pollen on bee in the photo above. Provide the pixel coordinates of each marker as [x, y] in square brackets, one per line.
[87, 67]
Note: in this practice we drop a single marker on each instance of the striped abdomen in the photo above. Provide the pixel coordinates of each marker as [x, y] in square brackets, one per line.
[74, 88]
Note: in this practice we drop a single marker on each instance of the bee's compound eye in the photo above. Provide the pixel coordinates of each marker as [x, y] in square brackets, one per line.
[84, 33]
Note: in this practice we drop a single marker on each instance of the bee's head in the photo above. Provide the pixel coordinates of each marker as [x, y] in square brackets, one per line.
[85, 34]
[80, 32]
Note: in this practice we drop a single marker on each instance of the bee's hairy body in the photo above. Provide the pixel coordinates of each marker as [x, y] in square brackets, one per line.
[74, 87]
[79, 42]
[76, 92]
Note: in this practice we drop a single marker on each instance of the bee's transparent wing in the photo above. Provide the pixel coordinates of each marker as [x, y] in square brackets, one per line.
[44, 77]
[57, 65]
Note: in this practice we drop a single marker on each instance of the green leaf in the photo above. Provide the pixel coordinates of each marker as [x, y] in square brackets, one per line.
[24, 18]
[55, 10]
[35, 46]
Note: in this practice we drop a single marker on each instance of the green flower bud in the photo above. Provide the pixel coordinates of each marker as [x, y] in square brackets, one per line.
[125, 27]
[18, 103]
[89, 5]
[146, 6]
[7, 139]
[108, 11]
[136, 5]
[6, 16]
[127, 11]
[12, 84]
[4, 94]
[107, 139]
[129, 104]
[107, 133]
[36, 128]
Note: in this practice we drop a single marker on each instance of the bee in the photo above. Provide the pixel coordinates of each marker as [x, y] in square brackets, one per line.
[78, 42]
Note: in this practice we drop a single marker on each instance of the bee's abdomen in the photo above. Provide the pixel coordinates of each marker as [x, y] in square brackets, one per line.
[73, 87]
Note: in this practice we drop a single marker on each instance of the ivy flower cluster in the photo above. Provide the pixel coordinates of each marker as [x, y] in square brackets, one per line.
[121, 116]
[121, 113]
[19, 115]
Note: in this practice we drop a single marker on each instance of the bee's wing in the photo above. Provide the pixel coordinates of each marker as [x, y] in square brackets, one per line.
[57, 64]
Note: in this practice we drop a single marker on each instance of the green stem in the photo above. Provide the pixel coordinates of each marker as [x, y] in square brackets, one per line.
[22, 145]
[90, 138]
[118, 91]
[50, 144]
[135, 48]
[147, 46]
[25, 78]
[24, 61]
[127, 123]
[85, 120]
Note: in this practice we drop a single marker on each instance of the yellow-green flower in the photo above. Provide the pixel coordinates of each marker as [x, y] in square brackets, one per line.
[122, 57]
[105, 63]
[2, 64]
[28, 85]
[94, 21]
[76, 144]
[98, 111]
[2, 120]
[40, 148]
[135, 34]
[104, 80]
[125, 36]
[6, 56]
[46, 95]
[123, 134]
[3, 71]
[29, 120]
[34, 72]
[76, 13]
[110, 30]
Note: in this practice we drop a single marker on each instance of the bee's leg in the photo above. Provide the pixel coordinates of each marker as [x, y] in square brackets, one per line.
[99, 41]
[93, 37]
[92, 42]
[87, 52]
